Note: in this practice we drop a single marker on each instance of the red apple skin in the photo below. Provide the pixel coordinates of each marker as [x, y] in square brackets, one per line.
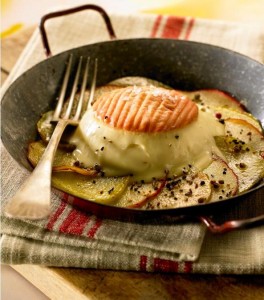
[218, 98]
[225, 180]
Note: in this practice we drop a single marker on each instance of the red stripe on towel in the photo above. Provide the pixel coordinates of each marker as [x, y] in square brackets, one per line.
[56, 215]
[91, 233]
[156, 26]
[74, 223]
[173, 27]
[188, 267]
[164, 265]
[189, 29]
[143, 263]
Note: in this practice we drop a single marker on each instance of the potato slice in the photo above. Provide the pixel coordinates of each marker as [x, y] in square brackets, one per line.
[245, 132]
[99, 189]
[62, 157]
[184, 191]
[213, 97]
[224, 181]
[243, 160]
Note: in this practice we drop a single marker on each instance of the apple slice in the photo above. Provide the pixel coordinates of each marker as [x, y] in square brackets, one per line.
[223, 180]
[213, 97]
[139, 194]
[246, 163]
[223, 113]
[245, 132]
[190, 189]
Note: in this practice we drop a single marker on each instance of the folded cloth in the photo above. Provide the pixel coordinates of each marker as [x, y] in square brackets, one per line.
[72, 238]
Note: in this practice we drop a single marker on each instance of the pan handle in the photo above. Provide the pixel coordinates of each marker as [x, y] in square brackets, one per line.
[43, 32]
[231, 225]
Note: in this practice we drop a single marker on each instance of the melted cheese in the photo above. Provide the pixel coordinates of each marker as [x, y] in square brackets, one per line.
[146, 155]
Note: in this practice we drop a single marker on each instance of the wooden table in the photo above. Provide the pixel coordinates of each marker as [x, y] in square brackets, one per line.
[70, 283]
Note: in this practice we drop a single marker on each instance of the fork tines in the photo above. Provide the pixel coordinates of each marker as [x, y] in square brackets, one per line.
[76, 103]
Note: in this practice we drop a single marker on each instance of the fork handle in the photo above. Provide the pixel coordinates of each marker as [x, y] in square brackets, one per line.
[32, 200]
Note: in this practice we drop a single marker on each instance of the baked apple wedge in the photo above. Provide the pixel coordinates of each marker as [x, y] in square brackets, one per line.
[223, 180]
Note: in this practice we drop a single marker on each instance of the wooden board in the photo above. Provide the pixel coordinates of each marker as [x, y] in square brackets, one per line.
[83, 284]
[78, 284]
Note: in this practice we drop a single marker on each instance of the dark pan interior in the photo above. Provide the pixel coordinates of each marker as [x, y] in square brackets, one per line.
[181, 64]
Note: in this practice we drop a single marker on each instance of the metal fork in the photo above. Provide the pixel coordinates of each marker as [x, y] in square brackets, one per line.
[32, 200]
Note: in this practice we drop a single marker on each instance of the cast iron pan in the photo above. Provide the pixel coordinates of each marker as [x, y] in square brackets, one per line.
[183, 65]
